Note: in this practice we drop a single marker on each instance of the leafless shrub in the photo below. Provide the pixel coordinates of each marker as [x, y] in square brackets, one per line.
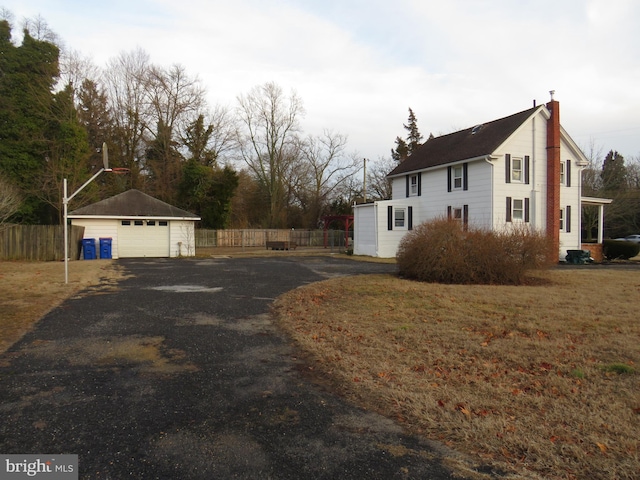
[443, 251]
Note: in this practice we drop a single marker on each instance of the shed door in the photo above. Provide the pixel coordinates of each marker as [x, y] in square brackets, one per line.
[143, 238]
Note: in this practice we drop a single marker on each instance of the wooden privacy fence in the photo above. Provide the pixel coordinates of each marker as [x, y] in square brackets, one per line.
[38, 242]
[260, 237]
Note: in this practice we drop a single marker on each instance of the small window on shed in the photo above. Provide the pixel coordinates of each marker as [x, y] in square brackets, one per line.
[151, 223]
[126, 223]
[138, 223]
[163, 223]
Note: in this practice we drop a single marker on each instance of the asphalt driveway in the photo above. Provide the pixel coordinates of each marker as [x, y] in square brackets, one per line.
[179, 373]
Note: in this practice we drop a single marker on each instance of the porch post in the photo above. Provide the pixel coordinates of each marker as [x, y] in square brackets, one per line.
[600, 223]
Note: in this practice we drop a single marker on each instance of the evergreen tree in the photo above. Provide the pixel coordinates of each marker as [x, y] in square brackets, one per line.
[401, 152]
[208, 193]
[28, 75]
[404, 148]
[414, 136]
[614, 172]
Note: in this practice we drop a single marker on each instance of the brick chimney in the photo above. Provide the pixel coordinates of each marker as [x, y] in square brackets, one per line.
[553, 174]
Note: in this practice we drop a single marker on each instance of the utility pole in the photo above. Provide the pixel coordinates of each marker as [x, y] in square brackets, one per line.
[364, 183]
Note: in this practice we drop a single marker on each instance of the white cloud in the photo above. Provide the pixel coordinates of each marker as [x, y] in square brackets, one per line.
[358, 65]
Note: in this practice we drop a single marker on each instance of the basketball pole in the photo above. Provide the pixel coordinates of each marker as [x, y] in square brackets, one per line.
[65, 203]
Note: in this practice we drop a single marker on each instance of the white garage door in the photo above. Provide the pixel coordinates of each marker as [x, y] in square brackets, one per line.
[143, 238]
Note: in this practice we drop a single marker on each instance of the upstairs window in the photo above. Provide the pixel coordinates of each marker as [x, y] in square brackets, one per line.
[562, 173]
[457, 177]
[516, 169]
[413, 187]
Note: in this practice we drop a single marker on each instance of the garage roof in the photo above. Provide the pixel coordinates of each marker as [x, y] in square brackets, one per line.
[133, 203]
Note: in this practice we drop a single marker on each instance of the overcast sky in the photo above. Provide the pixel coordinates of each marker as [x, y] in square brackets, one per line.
[358, 65]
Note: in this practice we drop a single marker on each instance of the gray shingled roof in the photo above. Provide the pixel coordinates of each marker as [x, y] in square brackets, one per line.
[133, 203]
[464, 144]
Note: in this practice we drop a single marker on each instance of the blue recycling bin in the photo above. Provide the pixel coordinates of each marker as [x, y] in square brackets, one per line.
[105, 248]
[89, 248]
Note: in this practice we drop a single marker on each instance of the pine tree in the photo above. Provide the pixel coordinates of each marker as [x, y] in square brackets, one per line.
[414, 137]
[404, 148]
[614, 172]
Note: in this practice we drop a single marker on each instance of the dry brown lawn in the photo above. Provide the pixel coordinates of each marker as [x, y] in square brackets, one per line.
[28, 290]
[538, 381]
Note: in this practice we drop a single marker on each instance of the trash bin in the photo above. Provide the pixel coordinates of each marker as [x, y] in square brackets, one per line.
[578, 257]
[105, 248]
[89, 248]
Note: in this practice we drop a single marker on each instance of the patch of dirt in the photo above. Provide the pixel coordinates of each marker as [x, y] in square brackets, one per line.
[147, 353]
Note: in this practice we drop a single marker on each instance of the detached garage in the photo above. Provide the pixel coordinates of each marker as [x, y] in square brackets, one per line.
[139, 226]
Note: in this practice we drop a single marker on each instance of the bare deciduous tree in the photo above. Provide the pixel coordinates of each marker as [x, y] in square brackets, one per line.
[269, 144]
[326, 167]
[10, 200]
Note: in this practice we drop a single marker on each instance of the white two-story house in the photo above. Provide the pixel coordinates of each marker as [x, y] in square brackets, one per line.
[520, 169]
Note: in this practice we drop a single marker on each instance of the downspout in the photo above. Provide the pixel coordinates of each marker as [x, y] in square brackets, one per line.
[489, 159]
[375, 219]
[534, 209]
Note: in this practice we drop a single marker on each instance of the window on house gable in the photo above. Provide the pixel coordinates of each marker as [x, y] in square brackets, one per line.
[516, 169]
[562, 173]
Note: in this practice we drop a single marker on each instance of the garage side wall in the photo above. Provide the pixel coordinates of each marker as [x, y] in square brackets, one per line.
[100, 228]
[182, 239]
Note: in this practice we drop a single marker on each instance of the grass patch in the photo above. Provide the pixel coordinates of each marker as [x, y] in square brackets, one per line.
[512, 375]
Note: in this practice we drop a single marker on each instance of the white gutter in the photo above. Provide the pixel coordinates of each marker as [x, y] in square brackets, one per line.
[457, 162]
[130, 217]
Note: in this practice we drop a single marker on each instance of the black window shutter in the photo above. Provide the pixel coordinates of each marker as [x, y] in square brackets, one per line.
[526, 169]
[448, 179]
[567, 174]
[508, 209]
[419, 184]
[465, 216]
[410, 219]
[526, 210]
[568, 219]
[507, 169]
[465, 183]
[408, 180]
[449, 212]
[389, 217]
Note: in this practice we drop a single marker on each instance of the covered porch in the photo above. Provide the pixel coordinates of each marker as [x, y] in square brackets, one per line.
[593, 220]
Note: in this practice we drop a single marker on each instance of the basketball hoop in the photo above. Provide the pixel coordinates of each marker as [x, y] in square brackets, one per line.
[119, 170]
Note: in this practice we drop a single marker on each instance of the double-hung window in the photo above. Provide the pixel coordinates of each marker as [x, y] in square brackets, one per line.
[457, 176]
[516, 169]
[413, 185]
[398, 215]
[517, 210]
[399, 218]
